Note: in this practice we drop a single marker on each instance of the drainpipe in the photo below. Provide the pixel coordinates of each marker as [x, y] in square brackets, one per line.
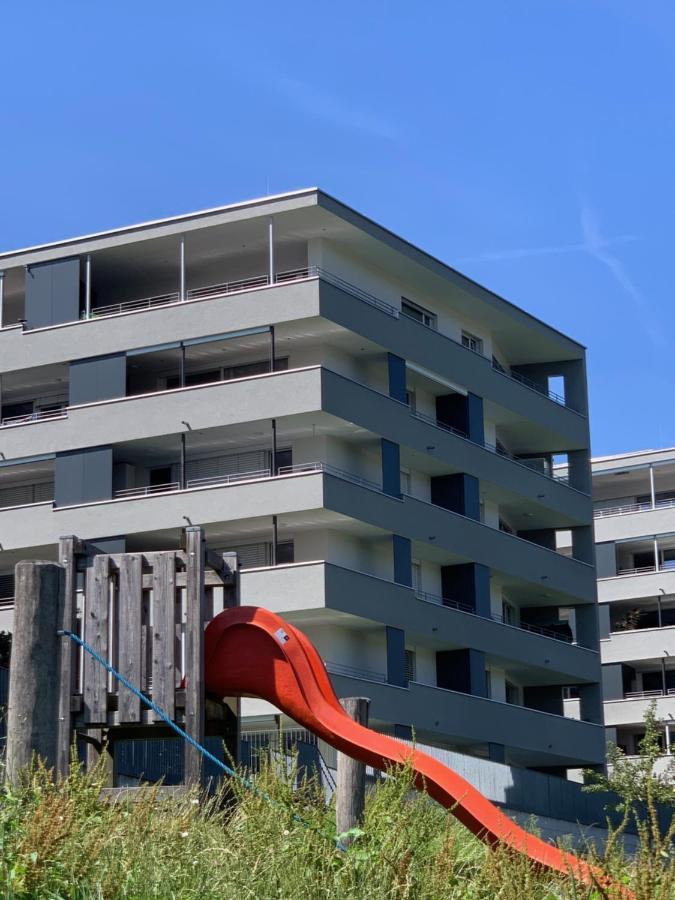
[87, 286]
[182, 461]
[275, 538]
[272, 349]
[182, 268]
[651, 486]
[270, 240]
[274, 447]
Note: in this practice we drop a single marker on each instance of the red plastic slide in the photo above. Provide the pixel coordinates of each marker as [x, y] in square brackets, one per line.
[250, 651]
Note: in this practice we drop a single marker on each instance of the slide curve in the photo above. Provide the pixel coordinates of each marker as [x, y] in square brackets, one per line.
[250, 651]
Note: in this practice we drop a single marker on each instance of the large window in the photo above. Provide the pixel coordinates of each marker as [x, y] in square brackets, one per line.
[418, 313]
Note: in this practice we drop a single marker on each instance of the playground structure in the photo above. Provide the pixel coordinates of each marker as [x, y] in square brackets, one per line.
[190, 645]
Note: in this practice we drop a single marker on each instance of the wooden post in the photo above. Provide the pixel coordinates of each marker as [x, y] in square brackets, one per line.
[194, 657]
[32, 721]
[164, 633]
[66, 658]
[351, 774]
[129, 609]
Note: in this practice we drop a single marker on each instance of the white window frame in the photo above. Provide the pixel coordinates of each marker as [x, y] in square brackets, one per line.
[424, 316]
[472, 342]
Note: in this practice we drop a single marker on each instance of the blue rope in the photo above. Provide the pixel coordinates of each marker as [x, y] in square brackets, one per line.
[179, 731]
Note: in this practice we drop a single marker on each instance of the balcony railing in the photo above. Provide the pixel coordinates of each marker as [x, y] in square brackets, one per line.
[238, 477]
[523, 626]
[667, 566]
[352, 672]
[632, 508]
[40, 415]
[533, 385]
[648, 695]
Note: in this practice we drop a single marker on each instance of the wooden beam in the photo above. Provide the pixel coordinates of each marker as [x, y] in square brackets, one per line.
[351, 775]
[164, 633]
[68, 547]
[194, 657]
[96, 634]
[129, 606]
[33, 706]
[211, 579]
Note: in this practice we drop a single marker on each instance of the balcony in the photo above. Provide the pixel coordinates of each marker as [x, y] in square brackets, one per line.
[303, 591]
[284, 278]
[632, 708]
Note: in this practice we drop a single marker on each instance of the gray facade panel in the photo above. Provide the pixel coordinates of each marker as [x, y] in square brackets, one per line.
[83, 476]
[101, 378]
[53, 293]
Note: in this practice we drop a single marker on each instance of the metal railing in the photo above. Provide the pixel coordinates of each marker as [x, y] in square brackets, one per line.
[667, 566]
[632, 508]
[539, 464]
[352, 672]
[465, 607]
[301, 468]
[148, 490]
[39, 415]
[533, 385]
[114, 309]
[648, 695]
[231, 478]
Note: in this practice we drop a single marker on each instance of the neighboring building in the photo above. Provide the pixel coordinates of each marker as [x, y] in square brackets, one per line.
[634, 500]
[371, 430]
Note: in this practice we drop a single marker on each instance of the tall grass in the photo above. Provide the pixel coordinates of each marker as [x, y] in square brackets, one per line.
[278, 842]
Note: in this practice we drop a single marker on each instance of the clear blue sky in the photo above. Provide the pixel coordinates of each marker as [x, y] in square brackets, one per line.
[530, 144]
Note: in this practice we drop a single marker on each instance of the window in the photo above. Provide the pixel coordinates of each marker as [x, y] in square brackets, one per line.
[416, 575]
[418, 313]
[411, 399]
[405, 481]
[512, 693]
[160, 475]
[471, 342]
[509, 614]
[410, 665]
[488, 683]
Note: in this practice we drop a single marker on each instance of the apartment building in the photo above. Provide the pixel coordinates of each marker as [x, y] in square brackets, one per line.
[634, 508]
[373, 432]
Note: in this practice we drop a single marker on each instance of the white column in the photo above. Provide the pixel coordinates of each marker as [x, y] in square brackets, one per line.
[656, 555]
[2, 297]
[87, 286]
[182, 268]
[271, 251]
[667, 730]
[651, 485]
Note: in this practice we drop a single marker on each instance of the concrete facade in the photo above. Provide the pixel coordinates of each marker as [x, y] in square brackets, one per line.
[373, 432]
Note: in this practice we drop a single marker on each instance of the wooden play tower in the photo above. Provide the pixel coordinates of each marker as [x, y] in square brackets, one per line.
[143, 612]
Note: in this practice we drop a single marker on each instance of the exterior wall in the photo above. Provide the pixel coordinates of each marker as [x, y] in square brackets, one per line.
[372, 560]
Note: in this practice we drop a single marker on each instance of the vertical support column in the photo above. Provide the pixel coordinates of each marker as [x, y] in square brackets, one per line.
[275, 539]
[274, 466]
[183, 462]
[87, 286]
[656, 555]
[666, 728]
[402, 551]
[194, 656]
[32, 725]
[350, 797]
[396, 673]
[273, 351]
[2, 299]
[397, 377]
[652, 490]
[391, 468]
[270, 242]
[182, 291]
[66, 657]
